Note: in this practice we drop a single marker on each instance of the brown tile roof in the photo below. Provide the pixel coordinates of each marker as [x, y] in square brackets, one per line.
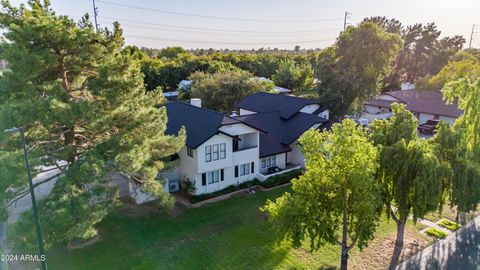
[380, 103]
[421, 101]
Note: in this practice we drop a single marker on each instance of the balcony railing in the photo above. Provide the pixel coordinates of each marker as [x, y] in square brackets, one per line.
[245, 148]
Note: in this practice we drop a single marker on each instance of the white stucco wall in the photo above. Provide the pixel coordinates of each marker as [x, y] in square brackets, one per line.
[245, 112]
[424, 117]
[228, 164]
[188, 165]
[309, 108]
[296, 156]
[325, 114]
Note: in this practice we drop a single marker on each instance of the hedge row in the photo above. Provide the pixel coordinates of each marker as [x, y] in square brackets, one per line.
[270, 182]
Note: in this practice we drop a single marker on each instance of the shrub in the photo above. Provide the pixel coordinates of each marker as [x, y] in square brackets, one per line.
[281, 179]
[452, 226]
[229, 189]
[436, 233]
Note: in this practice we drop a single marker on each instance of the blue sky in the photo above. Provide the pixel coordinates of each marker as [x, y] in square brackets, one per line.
[264, 23]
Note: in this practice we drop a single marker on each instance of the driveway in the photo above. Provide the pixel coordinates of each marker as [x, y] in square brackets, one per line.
[460, 250]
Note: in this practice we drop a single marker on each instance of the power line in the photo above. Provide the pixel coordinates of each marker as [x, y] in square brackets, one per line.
[219, 30]
[230, 42]
[215, 17]
[136, 27]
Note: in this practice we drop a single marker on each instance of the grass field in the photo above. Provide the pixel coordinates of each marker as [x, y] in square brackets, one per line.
[232, 234]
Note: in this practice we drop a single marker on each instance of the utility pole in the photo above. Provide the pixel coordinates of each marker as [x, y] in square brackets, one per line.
[95, 13]
[347, 14]
[41, 248]
[471, 37]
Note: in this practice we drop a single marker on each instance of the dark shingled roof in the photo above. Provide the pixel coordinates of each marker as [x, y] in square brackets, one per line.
[263, 102]
[420, 101]
[280, 132]
[201, 124]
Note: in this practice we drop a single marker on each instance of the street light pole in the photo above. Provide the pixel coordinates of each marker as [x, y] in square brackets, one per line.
[32, 194]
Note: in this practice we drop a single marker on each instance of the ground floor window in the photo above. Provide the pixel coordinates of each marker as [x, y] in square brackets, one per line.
[245, 169]
[213, 176]
[268, 162]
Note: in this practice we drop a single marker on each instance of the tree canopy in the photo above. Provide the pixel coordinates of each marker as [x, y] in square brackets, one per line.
[222, 90]
[460, 145]
[411, 176]
[336, 200]
[352, 70]
[294, 76]
[423, 53]
[81, 98]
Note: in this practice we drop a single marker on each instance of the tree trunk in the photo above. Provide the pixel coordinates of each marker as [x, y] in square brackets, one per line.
[397, 251]
[344, 260]
[462, 217]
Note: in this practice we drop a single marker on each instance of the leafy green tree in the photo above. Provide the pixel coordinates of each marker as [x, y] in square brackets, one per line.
[352, 70]
[222, 90]
[294, 76]
[335, 201]
[171, 52]
[423, 54]
[411, 176]
[460, 145]
[81, 99]
[218, 66]
[463, 65]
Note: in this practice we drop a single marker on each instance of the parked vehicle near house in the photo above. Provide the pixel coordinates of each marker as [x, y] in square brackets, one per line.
[428, 127]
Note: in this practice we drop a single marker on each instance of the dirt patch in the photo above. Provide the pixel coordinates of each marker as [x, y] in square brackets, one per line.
[377, 255]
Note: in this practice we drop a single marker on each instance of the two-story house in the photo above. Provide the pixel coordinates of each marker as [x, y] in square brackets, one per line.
[222, 150]
[219, 150]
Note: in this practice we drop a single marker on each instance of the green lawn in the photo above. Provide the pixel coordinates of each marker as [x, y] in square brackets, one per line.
[231, 234]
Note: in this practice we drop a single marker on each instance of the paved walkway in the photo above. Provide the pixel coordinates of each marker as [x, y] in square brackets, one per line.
[459, 250]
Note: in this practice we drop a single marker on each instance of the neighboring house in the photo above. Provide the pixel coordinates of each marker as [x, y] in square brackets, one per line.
[425, 105]
[223, 150]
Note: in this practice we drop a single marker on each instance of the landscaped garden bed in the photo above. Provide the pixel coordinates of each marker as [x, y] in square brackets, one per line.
[452, 226]
[434, 232]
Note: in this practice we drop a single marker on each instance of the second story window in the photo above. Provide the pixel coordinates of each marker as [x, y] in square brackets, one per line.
[215, 152]
[223, 153]
[208, 153]
[189, 151]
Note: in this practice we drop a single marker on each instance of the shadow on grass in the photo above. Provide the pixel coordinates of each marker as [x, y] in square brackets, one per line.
[232, 234]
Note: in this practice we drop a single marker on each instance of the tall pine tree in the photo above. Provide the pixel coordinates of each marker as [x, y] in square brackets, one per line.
[81, 99]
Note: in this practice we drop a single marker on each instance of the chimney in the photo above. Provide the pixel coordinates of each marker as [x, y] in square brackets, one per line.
[197, 102]
[234, 113]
